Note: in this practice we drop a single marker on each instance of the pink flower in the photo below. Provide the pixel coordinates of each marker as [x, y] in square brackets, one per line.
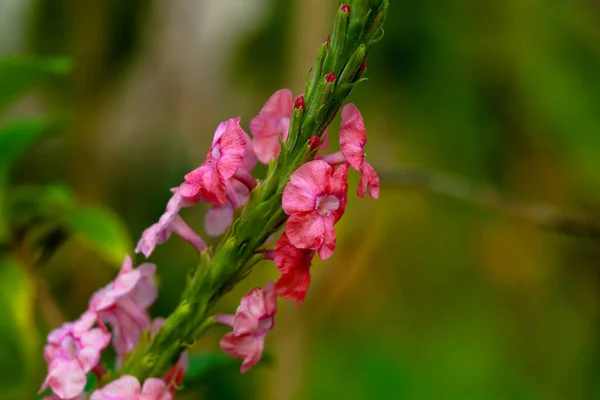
[81, 396]
[128, 387]
[72, 351]
[353, 138]
[294, 264]
[222, 162]
[168, 223]
[219, 218]
[253, 320]
[315, 199]
[271, 125]
[123, 304]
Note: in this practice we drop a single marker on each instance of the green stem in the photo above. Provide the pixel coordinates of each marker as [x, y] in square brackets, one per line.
[354, 32]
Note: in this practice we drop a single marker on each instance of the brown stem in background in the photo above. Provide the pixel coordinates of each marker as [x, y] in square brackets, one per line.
[540, 214]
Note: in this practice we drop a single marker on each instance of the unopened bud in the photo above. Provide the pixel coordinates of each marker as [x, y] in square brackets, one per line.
[345, 8]
[314, 142]
[326, 43]
[363, 66]
[299, 102]
[330, 77]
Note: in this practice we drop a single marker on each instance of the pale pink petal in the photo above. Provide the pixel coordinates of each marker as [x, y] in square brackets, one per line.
[353, 136]
[246, 347]
[155, 389]
[218, 219]
[313, 177]
[150, 239]
[183, 230]
[244, 322]
[368, 179]
[66, 378]
[270, 298]
[280, 103]
[125, 388]
[306, 231]
[95, 339]
[266, 148]
[328, 246]
[145, 291]
[250, 158]
[293, 284]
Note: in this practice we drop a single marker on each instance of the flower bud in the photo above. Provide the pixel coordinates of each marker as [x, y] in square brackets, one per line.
[299, 102]
[330, 77]
[314, 142]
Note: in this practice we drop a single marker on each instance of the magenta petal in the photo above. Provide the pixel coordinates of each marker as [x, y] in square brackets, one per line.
[353, 136]
[306, 231]
[232, 146]
[368, 178]
[297, 200]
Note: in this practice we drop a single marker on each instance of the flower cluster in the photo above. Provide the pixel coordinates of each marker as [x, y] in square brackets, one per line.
[314, 200]
[74, 349]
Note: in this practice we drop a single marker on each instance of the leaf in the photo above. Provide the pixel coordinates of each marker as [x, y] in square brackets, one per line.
[17, 75]
[19, 136]
[3, 213]
[28, 204]
[17, 330]
[102, 230]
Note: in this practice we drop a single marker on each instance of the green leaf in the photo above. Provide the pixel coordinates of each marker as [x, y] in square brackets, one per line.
[17, 330]
[17, 137]
[102, 230]
[27, 205]
[17, 75]
[3, 213]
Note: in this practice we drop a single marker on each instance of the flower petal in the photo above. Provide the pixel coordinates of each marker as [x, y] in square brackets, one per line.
[218, 219]
[328, 246]
[353, 136]
[233, 143]
[306, 230]
[293, 284]
[246, 347]
[126, 387]
[368, 178]
[66, 378]
[266, 148]
[288, 257]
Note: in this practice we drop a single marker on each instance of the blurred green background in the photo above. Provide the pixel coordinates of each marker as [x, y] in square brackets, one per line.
[425, 298]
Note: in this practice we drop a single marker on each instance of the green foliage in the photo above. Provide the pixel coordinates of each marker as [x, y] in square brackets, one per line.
[17, 137]
[18, 75]
[101, 230]
[18, 336]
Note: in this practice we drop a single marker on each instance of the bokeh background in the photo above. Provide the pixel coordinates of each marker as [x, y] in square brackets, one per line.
[426, 297]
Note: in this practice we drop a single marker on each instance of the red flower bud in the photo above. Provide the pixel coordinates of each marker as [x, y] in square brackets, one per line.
[345, 8]
[326, 43]
[314, 142]
[330, 77]
[299, 102]
[363, 66]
